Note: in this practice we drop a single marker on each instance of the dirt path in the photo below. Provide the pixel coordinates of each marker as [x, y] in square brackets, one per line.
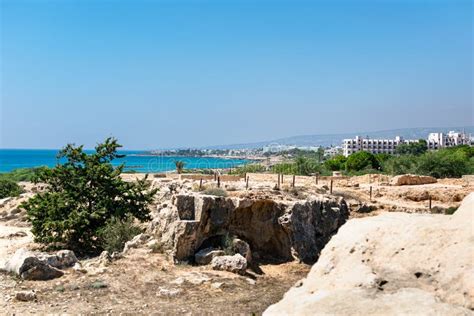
[148, 283]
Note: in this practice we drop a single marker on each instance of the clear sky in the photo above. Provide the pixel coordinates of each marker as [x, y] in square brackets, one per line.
[190, 73]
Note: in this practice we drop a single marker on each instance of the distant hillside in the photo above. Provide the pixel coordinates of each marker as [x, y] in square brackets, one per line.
[336, 139]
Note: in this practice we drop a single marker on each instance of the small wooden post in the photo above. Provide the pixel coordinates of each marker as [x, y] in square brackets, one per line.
[219, 182]
[370, 193]
[200, 184]
[215, 176]
[294, 178]
[278, 185]
[281, 178]
[429, 205]
[330, 188]
[317, 178]
[247, 183]
[245, 176]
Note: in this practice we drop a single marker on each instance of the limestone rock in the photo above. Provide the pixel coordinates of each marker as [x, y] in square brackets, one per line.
[242, 248]
[410, 179]
[135, 242]
[164, 292]
[284, 230]
[61, 259]
[39, 266]
[25, 296]
[393, 263]
[206, 255]
[235, 263]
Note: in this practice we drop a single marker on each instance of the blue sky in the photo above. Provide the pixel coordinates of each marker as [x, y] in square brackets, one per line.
[191, 73]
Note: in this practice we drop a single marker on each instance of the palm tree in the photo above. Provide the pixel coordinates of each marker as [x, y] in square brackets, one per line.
[179, 166]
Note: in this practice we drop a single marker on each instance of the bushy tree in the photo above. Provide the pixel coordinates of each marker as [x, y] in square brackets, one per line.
[444, 163]
[448, 162]
[361, 160]
[336, 163]
[400, 165]
[9, 188]
[416, 149]
[82, 195]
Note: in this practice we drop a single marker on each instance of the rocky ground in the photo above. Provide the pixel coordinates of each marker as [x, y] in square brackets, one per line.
[392, 264]
[142, 280]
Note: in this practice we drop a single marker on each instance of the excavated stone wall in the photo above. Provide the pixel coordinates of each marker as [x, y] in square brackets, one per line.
[275, 230]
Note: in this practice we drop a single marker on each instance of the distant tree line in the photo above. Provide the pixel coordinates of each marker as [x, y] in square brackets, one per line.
[409, 158]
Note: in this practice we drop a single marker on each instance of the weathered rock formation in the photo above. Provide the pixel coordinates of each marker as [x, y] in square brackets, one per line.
[411, 179]
[205, 256]
[394, 263]
[283, 230]
[39, 266]
[236, 263]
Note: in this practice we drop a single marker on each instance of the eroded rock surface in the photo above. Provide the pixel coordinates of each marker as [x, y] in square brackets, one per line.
[394, 263]
[236, 263]
[283, 230]
[411, 179]
[39, 266]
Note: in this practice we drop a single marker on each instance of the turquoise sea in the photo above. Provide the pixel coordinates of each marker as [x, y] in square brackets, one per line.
[11, 159]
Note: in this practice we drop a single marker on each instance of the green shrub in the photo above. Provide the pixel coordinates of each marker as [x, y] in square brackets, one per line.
[336, 163]
[251, 168]
[443, 163]
[227, 244]
[9, 188]
[22, 174]
[287, 168]
[450, 210]
[215, 191]
[448, 162]
[117, 232]
[302, 165]
[400, 165]
[361, 160]
[82, 195]
[416, 149]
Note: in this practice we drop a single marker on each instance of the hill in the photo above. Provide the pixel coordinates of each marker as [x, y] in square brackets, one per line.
[336, 139]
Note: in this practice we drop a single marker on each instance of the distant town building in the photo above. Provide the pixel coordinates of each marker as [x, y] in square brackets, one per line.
[333, 151]
[374, 146]
[442, 140]
[389, 146]
[277, 148]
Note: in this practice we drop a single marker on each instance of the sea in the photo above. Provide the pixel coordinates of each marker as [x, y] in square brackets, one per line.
[138, 161]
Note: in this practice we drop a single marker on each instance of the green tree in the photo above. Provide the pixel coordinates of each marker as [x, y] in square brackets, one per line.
[416, 149]
[179, 166]
[82, 195]
[400, 165]
[361, 160]
[443, 164]
[336, 163]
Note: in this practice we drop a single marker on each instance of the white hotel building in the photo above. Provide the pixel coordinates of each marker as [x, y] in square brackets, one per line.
[374, 146]
[442, 140]
[388, 146]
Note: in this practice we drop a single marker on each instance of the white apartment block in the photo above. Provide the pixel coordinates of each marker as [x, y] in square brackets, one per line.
[374, 146]
[442, 140]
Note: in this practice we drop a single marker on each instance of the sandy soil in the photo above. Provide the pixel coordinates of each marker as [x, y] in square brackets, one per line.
[148, 283]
